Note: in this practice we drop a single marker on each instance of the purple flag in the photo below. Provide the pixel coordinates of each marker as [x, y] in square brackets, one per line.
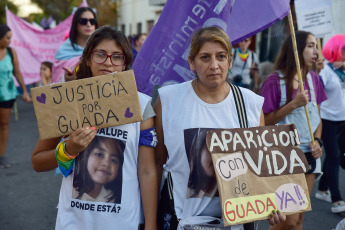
[163, 58]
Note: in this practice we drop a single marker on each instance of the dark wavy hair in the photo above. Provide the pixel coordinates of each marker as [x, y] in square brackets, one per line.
[285, 61]
[82, 181]
[73, 33]
[103, 33]
[198, 179]
[3, 30]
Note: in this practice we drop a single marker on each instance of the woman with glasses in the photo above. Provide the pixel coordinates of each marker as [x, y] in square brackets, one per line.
[106, 51]
[333, 117]
[84, 23]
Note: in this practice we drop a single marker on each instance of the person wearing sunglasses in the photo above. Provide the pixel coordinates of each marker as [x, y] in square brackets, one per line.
[84, 23]
[106, 51]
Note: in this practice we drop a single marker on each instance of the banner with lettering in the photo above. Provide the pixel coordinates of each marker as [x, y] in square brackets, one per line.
[33, 45]
[103, 101]
[258, 170]
[163, 58]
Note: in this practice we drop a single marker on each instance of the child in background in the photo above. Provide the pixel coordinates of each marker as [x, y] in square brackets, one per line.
[46, 73]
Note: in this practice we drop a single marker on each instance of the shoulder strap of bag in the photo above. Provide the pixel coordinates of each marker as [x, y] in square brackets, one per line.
[240, 107]
[242, 118]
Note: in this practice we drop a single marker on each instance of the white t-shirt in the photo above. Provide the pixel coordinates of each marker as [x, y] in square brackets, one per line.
[80, 207]
[333, 108]
[185, 117]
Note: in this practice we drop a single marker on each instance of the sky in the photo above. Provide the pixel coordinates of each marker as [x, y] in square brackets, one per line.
[26, 7]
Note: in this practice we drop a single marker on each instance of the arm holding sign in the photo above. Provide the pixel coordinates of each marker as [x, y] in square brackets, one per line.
[43, 156]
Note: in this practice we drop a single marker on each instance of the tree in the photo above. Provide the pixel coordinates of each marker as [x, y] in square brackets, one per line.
[60, 10]
[107, 11]
[13, 8]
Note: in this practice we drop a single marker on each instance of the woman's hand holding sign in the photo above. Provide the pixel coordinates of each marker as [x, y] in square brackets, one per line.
[276, 217]
[79, 140]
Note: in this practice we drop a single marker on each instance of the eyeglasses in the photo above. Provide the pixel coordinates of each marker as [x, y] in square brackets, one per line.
[83, 21]
[100, 57]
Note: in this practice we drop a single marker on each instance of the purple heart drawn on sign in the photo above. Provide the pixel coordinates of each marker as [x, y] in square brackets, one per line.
[128, 113]
[42, 98]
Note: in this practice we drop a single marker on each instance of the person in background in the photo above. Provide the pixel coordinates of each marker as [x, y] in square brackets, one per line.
[265, 69]
[284, 104]
[333, 116]
[84, 23]
[138, 42]
[245, 66]
[46, 73]
[106, 51]
[9, 66]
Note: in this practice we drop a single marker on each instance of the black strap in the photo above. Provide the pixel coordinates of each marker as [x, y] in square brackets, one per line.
[240, 107]
[242, 119]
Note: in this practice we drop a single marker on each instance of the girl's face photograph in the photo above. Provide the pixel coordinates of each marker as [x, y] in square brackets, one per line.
[310, 52]
[206, 162]
[104, 162]
[45, 71]
[107, 57]
[211, 64]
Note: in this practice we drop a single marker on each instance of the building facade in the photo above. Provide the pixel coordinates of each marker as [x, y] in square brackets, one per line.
[138, 16]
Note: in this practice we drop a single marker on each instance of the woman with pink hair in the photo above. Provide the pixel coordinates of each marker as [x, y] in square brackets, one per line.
[333, 115]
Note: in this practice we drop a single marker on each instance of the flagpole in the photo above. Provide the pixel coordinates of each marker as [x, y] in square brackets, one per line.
[319, 48]
[299, 74]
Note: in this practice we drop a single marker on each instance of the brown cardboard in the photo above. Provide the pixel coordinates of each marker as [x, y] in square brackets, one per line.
[102, 101]
[258, 170]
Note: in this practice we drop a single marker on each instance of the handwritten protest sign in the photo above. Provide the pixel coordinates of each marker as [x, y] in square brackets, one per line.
[101, 102]
[258, 170]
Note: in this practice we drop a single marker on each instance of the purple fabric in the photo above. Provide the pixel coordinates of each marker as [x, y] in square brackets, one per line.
[271, 92]
[163, 58]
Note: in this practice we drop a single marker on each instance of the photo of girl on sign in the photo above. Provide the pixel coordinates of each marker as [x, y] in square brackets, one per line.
[202, 179]
[98, 171]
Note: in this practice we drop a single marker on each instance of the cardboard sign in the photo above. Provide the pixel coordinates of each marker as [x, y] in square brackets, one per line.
[258, 170]
[315, 16]
[103, 101]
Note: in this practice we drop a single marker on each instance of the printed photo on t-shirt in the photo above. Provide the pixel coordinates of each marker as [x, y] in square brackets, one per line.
[98, 171]
[202, 178]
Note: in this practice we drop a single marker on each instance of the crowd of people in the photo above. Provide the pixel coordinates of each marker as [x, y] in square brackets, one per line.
[167, 149]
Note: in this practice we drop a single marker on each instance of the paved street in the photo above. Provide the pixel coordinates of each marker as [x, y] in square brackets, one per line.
[28, 199]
